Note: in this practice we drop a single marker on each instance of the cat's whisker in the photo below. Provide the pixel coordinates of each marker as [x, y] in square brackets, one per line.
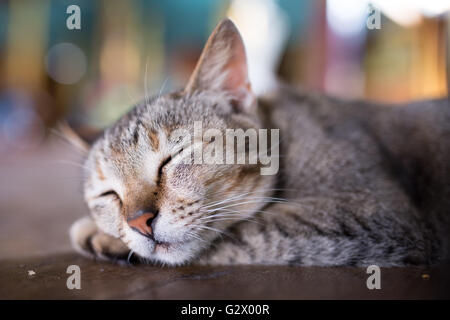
[146, 96]
[256, 191]
[220, 232]
[129, 256]
[74, 146]
[243, 196]
[233, 219]
[227, 212]
[233, 215]
[229, 199]
[162, 87]
[208, 228]
[266, 200]
[193, 235]
[247, 202]
[224, 201]
[241, 215]
[79, 165]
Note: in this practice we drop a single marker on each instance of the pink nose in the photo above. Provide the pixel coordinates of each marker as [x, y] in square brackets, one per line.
[142, 223]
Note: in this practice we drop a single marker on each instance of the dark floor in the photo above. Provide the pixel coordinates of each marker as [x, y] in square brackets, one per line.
[39, 198]
[108, 281]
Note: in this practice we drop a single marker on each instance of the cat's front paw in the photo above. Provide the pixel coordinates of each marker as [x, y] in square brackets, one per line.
[91, 242]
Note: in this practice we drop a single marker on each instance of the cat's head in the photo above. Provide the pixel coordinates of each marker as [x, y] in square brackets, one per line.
[138, 185]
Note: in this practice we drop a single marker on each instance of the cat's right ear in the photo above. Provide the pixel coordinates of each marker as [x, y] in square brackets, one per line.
[223, 67]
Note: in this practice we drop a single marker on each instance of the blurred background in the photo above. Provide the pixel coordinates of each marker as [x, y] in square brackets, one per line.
[92, 70]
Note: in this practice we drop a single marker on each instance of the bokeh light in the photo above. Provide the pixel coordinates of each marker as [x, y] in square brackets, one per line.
[65, 63]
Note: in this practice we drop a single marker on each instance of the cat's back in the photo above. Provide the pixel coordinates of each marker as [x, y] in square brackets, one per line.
[341, 141]
[325, 147]
[366, 156]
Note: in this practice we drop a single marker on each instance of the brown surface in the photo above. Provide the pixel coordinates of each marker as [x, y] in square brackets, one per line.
[108, 281]
[40, 197]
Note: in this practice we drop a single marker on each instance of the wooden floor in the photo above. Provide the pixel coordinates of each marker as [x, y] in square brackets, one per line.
[46, 278]
[40, 195]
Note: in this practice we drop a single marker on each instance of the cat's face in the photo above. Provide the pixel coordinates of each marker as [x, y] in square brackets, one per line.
[138, 186]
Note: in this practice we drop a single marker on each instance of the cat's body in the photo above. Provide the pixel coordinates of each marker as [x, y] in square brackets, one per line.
[358, 183]
[366, 184]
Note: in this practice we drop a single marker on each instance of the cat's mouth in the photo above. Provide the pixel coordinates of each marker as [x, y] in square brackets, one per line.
[162, 246]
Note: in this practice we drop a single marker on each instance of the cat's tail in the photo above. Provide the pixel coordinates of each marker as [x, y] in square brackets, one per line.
[264, 40]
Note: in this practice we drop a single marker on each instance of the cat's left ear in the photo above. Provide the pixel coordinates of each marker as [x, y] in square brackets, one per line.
[223, 67]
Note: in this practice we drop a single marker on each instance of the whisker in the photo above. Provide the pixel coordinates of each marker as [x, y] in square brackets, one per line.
[247, 193]
[233, 219]
[247, 202]
[129, 256]
[220, 232]
[74, 144]
[193, 235]
[162, 87]
[256, 191]
[146, 96]
[226, 213]
[242, 196]
[79, 165]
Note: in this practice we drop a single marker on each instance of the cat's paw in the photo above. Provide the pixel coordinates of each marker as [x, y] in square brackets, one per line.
[88, 240]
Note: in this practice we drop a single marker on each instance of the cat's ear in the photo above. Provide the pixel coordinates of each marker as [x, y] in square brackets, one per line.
[223, 67]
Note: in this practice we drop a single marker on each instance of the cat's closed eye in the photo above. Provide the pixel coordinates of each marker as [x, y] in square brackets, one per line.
[163, 164]
[112, 194]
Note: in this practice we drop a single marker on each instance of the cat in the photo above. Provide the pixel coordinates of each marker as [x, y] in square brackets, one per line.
[359, 183]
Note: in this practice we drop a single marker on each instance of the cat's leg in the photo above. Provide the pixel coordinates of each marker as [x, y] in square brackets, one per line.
[91, 242]
[266, 239]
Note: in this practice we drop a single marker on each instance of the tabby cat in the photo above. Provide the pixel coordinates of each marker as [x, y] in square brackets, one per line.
[358, 183]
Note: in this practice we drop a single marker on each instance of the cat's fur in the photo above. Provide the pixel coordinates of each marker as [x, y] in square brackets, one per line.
[358, 184]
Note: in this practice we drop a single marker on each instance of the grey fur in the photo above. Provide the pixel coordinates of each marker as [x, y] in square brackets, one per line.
[369, 184]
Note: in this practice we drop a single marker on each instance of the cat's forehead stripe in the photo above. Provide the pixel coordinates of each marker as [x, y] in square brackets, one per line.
[100, 174]
[153, 138]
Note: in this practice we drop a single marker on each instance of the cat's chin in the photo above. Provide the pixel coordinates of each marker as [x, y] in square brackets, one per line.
[169, 253]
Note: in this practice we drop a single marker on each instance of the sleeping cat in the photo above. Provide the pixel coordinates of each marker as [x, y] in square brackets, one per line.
[358, 183]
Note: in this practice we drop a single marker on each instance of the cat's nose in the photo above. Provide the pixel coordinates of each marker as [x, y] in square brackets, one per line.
[142, 223]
